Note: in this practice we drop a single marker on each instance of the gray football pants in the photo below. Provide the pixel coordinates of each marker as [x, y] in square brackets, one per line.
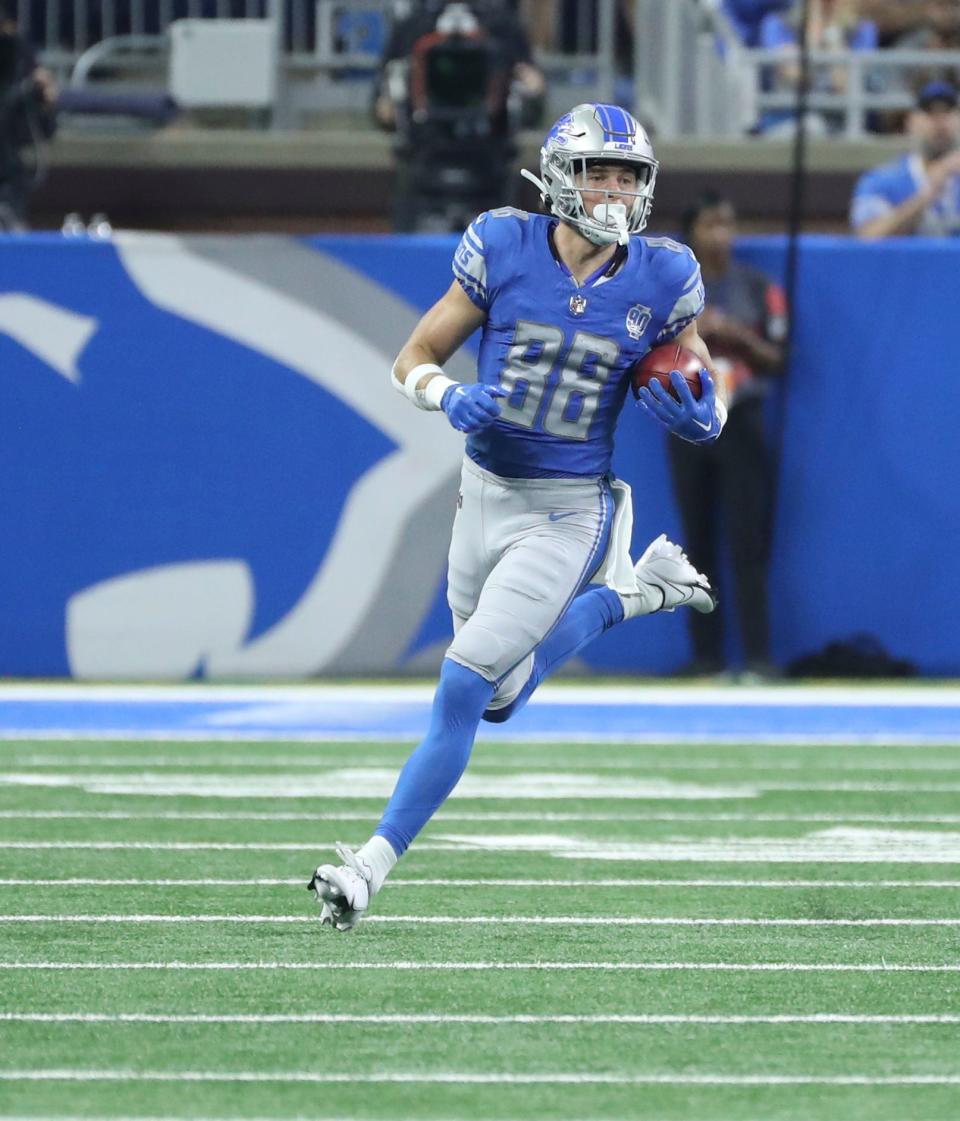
[521, 550]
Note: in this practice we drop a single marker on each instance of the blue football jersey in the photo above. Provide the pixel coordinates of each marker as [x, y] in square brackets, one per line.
[884, 188]
[563, 351]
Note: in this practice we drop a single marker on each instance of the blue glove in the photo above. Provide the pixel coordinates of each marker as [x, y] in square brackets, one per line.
[471, 407]
[692, 420]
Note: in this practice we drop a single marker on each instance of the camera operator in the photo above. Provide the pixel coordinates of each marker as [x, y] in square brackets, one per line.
[456, 82]
[27, 118]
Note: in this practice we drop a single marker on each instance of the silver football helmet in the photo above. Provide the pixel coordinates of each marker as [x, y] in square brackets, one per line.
[588, 133]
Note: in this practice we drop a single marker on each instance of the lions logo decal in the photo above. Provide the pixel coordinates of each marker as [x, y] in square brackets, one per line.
[212, 474]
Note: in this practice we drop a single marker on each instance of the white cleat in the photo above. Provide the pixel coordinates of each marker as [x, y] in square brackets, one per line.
[343, 892]
[667, 580]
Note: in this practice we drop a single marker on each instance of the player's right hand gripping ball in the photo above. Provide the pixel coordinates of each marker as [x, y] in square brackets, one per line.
[657, 364]
[684, 402]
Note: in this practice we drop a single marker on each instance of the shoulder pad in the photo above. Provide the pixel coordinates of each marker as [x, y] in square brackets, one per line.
[672, 261]
[503, 226]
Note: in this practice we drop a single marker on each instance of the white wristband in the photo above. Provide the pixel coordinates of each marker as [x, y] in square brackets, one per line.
[431, 395]
[721, 410]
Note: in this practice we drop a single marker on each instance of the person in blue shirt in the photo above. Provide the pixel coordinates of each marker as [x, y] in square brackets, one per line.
[747, 16]
[918, 193]
[833, 25]
[567, 302]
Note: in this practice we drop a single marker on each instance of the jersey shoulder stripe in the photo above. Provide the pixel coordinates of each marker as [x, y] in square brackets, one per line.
[470, 264]
[678, 274]
[688, 308]
[486, 249]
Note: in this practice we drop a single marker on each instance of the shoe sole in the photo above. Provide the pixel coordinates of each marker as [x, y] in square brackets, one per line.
[332, 899]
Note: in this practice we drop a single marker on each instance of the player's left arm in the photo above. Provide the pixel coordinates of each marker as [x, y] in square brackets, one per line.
[690, 338]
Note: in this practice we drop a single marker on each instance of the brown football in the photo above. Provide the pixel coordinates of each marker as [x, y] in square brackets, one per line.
[656, 365]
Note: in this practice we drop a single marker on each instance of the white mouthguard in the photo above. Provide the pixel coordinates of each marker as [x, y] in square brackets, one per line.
[613, 214]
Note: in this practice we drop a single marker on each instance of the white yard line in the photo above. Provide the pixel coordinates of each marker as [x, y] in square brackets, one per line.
[484, 966]
[455, 1018]
[80, 881]
[299, 881]
[176, 846]
[494, 1079]
[272, 762]
[661, 739]
[744, 850]
[758, 785]
[483, 920]
[634, 818]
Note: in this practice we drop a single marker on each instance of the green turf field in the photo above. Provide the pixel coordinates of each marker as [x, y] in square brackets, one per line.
[705, 932]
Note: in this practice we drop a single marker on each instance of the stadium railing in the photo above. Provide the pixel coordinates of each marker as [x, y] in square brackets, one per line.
[890, 73]
[691, 75]
[681, 83]
[329, 49]
[694, 77]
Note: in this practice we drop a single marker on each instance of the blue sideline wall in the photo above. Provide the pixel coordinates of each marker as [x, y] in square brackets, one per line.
[205, 472]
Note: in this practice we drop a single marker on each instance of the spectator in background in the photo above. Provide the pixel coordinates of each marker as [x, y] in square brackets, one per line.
[493, 18]
[747, 16]
[571, 26]
[27, 118]
[914, 23]
[456, 82]
[541, 18]
[730, 483]
[919, 193]
[833, 25]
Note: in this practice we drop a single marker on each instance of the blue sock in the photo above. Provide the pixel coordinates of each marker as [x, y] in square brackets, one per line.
[594, 611]
[435, 767]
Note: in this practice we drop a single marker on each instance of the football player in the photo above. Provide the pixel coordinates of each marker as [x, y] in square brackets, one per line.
[567, 303]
